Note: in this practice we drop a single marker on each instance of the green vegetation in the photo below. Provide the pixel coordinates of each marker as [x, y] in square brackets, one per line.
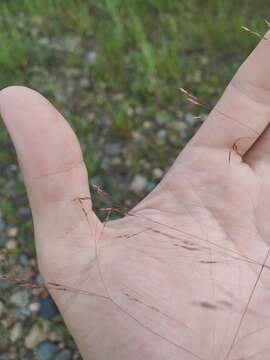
[113, 67]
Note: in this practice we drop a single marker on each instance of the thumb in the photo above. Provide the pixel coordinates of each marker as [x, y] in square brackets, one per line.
[55, 177]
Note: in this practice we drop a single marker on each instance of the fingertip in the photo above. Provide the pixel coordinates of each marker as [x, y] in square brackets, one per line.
[43, 139]
[16, 91]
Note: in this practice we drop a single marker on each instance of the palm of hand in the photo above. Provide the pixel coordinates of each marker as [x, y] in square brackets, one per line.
[184, 274]
[179, 265]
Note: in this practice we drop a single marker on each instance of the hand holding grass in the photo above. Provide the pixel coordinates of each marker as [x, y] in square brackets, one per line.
[185, 274]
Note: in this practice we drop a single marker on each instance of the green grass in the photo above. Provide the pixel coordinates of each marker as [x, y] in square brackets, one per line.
[145, 50]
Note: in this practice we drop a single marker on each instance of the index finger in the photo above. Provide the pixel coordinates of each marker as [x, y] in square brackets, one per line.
[243, 112]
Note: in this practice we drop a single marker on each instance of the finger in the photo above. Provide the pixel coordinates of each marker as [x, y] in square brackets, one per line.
[243, 112]
[54, 173]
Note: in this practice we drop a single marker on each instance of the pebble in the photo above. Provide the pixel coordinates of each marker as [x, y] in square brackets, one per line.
[136, 135]
[46, 351]
[112, 149]
[130, 111]
[20, 298]
[190, 119]
[12, 232]
[39, 280]
[150, 186]
[23, 259]
[35, 337]
[180, 126]
[157, 173]
[44, 41]
[48, 309]
[25, 311]
[11, 244]
[34, 307]
[162, 118]
[147, 124]
[91, 57]
[2, 309]
[64, 355]
[3, 241]
[162, 133]
[2, 230]
[84, 82]
[2, 224]
[116, 161]
[16, 332]
[4, 284]
[55, 337]
[138, 184]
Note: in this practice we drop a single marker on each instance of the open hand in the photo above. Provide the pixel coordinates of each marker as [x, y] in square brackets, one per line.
[185, 274]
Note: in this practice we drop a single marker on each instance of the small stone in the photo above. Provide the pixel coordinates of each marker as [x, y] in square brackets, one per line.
[46, 351]
[3, 255]
[116, 161]
[91, 57]
[34, 307]
[5, 284]
[136, 135]
[12, 232]
[84, 82]
[4, 343]
[2, 309]
[162, 118]
[48, 309]
[44, 41]
[118, 96]
[39, 280]
[162, 133]
[204, 60]
[150, 186]
[16, 332]
[2, 224]
[23, 259]
[64, 355]
[190, 119]
[76, 356]
[139, 110]
[55, 337]
[180, 126]
[112, 149]
[20, 298]
[35, 337]
[157, 173]
[25, 311]
[147, 124]
[138, 184]
[3, 241]
[11, 244]
[130, 111]
[197, 76]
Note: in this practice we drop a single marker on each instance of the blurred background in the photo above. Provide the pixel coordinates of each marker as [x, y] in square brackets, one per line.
[114, 69]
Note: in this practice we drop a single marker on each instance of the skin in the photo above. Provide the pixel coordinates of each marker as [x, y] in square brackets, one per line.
[185, 274]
